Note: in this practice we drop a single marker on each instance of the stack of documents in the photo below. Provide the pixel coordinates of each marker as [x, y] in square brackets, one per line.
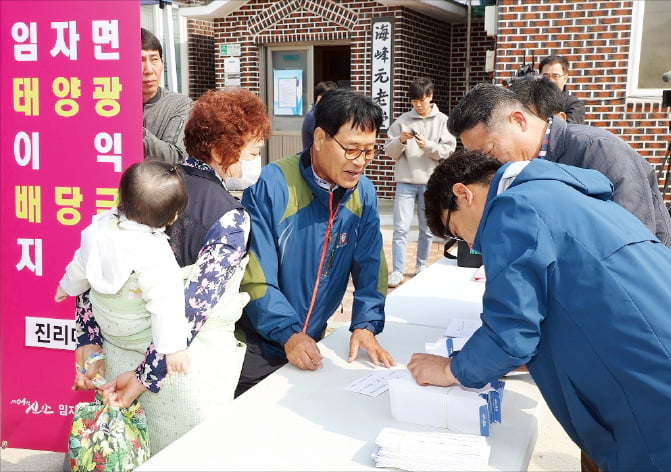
[457, 408]
[430, 451]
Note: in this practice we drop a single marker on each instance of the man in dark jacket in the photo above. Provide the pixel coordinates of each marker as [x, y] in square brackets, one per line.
[555, 68]
[493, 120]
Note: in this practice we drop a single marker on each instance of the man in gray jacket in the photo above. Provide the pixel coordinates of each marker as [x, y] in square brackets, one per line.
[164, 112]
[493, 120]
[418, 139]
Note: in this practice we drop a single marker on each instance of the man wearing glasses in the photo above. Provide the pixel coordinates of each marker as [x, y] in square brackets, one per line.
[314, 223]
[555, 68]
[577, 290]
[493, 120]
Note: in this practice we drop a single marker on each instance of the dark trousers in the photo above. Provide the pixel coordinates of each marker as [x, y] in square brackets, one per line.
[255, 367]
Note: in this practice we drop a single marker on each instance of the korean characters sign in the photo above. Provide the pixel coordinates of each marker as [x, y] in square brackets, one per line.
[382, 50]
[71, 114]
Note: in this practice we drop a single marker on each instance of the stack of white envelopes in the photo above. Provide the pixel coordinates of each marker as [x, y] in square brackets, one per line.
[430, 451]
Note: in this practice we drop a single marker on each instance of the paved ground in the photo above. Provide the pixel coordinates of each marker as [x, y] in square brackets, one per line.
[554, 452]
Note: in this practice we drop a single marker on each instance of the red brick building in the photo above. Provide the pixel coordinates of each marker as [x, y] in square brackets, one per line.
[613, 46]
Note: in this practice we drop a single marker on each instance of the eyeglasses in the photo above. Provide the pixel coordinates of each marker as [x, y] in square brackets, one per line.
[352, 154]
[447, 235]
[554, 76]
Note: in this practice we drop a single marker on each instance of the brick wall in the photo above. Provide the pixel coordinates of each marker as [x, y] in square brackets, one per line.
[422, 47]
[595, 37]
[201, 56]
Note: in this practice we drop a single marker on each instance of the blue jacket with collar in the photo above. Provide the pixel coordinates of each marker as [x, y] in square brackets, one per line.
[290, 215]
[578, 289]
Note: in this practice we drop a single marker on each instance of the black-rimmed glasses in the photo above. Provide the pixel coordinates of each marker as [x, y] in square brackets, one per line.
[553, 76]
[447, 235]
[353, 153]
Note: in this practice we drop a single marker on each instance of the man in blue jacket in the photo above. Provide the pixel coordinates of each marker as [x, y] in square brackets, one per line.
[577, 289]
[493, 120]
[314, 223]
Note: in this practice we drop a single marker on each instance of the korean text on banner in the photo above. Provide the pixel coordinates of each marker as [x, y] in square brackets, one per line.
[71, 123]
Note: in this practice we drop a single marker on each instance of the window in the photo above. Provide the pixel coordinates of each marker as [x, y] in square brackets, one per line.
[650, 55]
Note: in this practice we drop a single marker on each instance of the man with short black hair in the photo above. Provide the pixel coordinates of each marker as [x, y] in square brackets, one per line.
[577, 290]
[418, 139]
[308, 128]
[555, 68]
[540, 96]
[164, 112]
[493, 120]
[315, 223]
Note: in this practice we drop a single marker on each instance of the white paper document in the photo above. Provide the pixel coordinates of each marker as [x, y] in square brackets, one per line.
[374, 383]
[462, 328]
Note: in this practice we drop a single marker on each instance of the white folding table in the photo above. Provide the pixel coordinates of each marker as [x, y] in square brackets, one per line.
[303, 420]
[436, 295]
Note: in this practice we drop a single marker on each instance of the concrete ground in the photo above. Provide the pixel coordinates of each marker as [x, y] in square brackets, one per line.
[554, 451]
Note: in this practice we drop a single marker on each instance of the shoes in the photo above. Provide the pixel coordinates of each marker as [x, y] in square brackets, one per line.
[418, 269]
[395, 279]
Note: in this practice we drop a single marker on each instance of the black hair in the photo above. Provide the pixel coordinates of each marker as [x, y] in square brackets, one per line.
[420, 88]
[338, 107]
[466, 167]
[541, 93]
[151, 42]
[152, 193]
[322, 87]
[479, 105]
[554, 59]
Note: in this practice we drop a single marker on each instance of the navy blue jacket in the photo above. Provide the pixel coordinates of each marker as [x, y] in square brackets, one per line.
[578, 289]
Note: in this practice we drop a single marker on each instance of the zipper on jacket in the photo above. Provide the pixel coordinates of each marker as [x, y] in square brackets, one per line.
[327, 238]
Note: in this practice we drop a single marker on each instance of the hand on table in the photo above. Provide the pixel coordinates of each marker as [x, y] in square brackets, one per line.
[302, 351]
[363, 338]
[122, 391]
[429, 369]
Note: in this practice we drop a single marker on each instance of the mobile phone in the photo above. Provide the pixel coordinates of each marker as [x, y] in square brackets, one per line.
[414, 133]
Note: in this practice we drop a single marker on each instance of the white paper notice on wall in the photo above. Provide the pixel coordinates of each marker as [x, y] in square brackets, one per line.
[489, 60]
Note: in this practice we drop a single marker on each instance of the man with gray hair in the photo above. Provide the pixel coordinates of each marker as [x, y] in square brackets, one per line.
[493, 120]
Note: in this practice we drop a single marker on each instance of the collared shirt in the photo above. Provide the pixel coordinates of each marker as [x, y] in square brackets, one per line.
[546, 139]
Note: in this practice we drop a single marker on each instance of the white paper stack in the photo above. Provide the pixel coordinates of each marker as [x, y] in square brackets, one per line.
[430, 451]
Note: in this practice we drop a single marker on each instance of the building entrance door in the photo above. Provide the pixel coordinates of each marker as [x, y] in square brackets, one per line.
[291, 75]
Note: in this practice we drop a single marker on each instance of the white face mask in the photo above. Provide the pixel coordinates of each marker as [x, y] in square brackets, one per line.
[251, 170]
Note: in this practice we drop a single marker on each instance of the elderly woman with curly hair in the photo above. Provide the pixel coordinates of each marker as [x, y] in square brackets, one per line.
[210, 243]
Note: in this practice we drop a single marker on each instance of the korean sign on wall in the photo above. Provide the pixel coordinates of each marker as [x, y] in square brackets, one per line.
[71, 119]
[382, 61]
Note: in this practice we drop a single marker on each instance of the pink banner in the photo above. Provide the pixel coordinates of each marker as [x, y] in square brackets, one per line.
[71, 119]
